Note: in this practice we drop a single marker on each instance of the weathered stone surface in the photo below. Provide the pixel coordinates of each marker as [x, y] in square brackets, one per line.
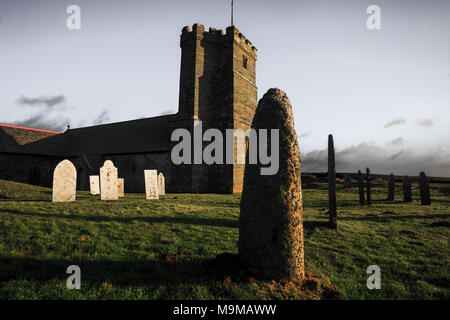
[347, 181]
[64, 182]
[161, 184]
[407, 189]
[121, 187]
[361, 187]
[94, 183]
[391, 188]
[151, 184]
[332, 184]
[368, 181]
[108, 181]
[424, 189]
[271, 222]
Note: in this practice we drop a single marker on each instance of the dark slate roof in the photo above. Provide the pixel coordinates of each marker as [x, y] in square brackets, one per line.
[12, 138]
[134, 136]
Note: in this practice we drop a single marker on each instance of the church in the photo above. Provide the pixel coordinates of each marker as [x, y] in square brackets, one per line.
[217, 87]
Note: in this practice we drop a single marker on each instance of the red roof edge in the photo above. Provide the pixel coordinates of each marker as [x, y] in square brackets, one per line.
[25, 128]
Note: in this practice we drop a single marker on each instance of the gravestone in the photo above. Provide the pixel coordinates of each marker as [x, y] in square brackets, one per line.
[94, 183]
[151, 184]
[332, 183]
[64, 182]
[121, 187]
[368, 181]
[361, 187]
[161, 184]
[391, 188]
[108, 181]
[424, 190]
[271, 222]
[347, 181]
[407, 189]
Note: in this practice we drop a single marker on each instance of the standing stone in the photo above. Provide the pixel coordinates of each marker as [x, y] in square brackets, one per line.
[108, 181]
[271, 222]
[121, 187]
[161, 184]
[94, 183]
[368, 178]
[407, 189]
[64, 182]
[332, 183]
[391, 188]
[360, 187]
[347, 181]
[424, 190]
[151, 184]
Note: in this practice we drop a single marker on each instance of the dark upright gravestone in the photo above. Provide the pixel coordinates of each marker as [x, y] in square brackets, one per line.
[407, 189]
[369, 200]
[360, 187]
[332, 183]
[391, 188]
[424, 189]
[271, 222]
[347, 181]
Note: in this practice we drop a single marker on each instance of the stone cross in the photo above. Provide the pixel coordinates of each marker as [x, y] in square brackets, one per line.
[151, 184]
[120, 186]
[108, 181]
[270, 222]
[161, 184]
[332, 183]
[94, 183]
[391, 187]
[368, 178]
[407, 189]
[64, 182]
[360, 187]
[424, 190]
[347, 181]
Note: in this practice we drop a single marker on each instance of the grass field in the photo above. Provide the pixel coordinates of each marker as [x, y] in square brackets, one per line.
[166, 249]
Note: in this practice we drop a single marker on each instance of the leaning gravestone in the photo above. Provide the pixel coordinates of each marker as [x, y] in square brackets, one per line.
[368, 178]
[108, 181]
[347, 181]
[151, 184]
[360, 187]
[424, 189]
[120, 186]
[94, 183]
[407, 189]
[271, 222]
[161, 184]
[391, 187]
[332, 183]
[64, 182]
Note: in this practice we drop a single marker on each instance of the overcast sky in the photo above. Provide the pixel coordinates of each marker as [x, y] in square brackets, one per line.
[383, 94]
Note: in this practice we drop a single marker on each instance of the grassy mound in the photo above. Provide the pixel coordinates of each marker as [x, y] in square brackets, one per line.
[17, 190]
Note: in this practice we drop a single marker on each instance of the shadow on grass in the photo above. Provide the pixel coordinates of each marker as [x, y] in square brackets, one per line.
[99, 218]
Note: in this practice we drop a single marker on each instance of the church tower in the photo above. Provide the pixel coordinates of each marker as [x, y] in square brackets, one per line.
[218, 88]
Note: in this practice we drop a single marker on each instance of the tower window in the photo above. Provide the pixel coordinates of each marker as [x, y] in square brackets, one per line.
[244, 59]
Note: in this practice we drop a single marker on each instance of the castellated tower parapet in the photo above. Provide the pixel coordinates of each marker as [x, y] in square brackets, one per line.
[217, 87]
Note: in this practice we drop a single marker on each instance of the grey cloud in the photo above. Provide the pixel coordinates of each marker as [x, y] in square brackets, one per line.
[103, 117]
[397, 142]
[395, 122]
[41, 122]
[304, 135]
[380, 160]
[167, 112]
[427, 123]
[49, 101]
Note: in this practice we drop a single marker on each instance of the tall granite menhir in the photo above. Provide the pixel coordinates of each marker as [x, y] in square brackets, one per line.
[332, 184]
[271, 222]
[361, 187]
[407, 189]
[391, 187]
[424, 190]
[368, 178]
